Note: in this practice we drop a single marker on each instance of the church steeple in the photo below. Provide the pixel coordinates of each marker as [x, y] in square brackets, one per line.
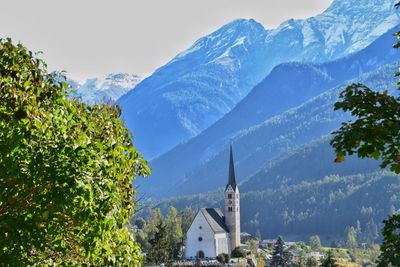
[232, 206]
[231, 177]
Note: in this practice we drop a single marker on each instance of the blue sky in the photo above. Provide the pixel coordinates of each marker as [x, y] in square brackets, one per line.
[95, 37]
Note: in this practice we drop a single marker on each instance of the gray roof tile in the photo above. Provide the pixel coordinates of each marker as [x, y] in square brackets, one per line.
[215, 219]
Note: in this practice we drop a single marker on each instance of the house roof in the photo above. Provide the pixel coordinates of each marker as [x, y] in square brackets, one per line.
[215, 219]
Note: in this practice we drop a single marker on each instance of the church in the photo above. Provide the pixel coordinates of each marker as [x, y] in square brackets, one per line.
[211, 232]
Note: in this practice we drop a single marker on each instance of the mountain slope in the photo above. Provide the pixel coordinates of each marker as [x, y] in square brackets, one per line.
[107, 88]
[257, 145]
[206, 81]
[196, 88]
[325, 206]
[306, 163]
[287, 86]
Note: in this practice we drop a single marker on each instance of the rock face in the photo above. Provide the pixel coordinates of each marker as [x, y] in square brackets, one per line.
[206, 81]
[107, 88]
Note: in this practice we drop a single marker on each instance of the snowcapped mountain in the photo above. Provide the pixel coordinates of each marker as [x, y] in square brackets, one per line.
[287, 86]
[203, 83]
[196, 88]
[106, 88]
[345, 27]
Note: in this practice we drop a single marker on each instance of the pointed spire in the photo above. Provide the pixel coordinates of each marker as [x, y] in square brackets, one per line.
[231, 178]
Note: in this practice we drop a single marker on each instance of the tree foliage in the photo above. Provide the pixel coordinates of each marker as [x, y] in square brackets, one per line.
[161, 236]
[280, 255]
[174, 232]
[315, 243]
[238, 252]
[375, 133]
[329, 260]
[159, 251]
[66, 171]
[312, 262]
[391, 244]
[223, 258]
[351, 237]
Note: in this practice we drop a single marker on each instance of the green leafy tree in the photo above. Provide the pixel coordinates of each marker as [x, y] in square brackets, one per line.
[329, 261]
[315, 243]
[174, 232]
[375, 133]
[66, 171]
[390, 248]
[153, 222]
[159, 251]
[223, 258]
[238, 252]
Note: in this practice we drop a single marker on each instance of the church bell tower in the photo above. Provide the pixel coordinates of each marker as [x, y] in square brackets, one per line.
[232, 206]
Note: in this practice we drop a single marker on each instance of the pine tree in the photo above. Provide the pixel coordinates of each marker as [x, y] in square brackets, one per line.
[159, 251]
[280, 256]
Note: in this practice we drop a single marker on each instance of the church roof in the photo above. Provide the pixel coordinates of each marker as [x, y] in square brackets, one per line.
[231, 177]
[215, 219]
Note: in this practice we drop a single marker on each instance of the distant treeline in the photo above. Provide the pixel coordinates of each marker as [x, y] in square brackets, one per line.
[328, 207]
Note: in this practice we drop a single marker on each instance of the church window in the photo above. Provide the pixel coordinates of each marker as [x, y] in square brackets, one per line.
[229, 195]
[200, 227]
[200, 239]
[229, 208]
[200, 254]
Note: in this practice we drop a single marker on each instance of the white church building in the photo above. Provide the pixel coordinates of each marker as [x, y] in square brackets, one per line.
[211, 232]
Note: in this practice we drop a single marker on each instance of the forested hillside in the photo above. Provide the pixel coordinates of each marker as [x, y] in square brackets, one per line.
[326, 206]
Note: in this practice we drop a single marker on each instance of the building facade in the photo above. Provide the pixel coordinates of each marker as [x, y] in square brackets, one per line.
[211, 232]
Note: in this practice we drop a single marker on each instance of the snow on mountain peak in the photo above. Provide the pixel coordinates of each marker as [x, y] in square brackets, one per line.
[106, 88]
[201, 84]
[218, 43]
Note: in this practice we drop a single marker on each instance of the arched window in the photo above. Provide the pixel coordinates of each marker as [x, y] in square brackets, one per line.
[200, 254]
